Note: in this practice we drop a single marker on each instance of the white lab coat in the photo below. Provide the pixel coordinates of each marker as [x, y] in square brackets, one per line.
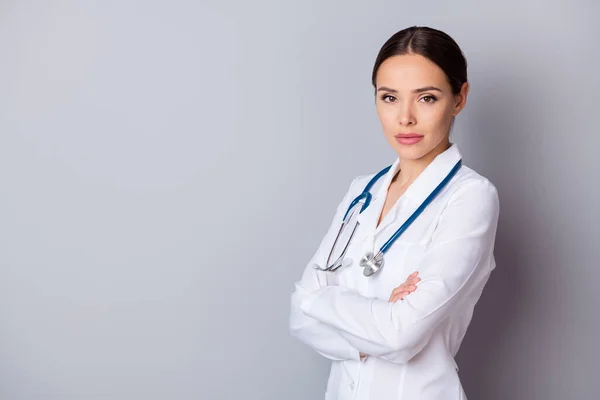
[411, 343]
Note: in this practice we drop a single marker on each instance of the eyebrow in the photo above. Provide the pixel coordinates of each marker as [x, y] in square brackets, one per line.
[419, 90]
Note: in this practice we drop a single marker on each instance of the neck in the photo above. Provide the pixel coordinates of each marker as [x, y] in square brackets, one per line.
[411, 169]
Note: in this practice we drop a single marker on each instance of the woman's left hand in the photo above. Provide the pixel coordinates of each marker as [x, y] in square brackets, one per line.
[409, 286]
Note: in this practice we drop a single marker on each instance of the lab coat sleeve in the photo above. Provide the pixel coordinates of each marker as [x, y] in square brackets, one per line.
[324, 339]
[455, 264]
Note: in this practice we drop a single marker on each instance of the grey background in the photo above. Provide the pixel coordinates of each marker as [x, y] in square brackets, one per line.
[168, 168]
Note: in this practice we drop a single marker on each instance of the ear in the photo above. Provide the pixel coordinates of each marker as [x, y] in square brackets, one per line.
[461, 99]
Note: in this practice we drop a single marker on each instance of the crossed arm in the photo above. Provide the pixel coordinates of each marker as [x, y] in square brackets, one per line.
[341, 324]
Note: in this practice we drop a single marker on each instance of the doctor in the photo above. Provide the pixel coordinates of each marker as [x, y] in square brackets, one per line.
[394, 334]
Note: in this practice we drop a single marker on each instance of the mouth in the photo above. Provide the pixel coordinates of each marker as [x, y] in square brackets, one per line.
[408, 138]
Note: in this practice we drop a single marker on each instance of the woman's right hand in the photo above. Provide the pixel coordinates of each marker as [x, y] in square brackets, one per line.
[409, 286]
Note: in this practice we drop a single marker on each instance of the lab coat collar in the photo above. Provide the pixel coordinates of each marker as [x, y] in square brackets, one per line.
[418, 190]
[433, 175]
[416, 193]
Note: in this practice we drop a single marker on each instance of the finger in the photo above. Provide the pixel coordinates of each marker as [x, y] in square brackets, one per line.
[397, 297]
[410, 282]
[401, 295]
[405, 286]
[399, 289]
[401, 292]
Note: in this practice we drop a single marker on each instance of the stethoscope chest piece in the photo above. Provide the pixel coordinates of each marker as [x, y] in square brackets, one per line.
[371, 263]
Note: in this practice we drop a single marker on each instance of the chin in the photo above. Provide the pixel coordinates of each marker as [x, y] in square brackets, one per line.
[412, 152]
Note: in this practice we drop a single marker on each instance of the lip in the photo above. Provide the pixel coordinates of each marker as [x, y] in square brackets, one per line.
[408, 138]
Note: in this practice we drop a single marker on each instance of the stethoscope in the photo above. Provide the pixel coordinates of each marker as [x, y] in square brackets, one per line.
[372, 263]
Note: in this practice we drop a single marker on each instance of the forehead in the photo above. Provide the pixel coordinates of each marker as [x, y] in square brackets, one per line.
[409, 71]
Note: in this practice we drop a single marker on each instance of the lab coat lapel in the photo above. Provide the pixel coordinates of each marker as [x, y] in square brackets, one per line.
[433, 175]
[368, 218]
[416, 193]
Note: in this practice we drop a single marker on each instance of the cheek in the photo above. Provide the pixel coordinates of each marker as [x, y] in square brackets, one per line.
[436, 116]
[387, 117]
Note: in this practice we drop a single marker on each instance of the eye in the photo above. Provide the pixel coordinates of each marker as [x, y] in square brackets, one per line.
[428, 99]
[388, 98]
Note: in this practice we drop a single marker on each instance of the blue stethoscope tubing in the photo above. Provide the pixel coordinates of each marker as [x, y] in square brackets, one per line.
[373, 263]
[421, 208]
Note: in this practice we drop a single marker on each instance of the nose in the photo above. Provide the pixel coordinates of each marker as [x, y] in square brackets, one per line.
[406, 115]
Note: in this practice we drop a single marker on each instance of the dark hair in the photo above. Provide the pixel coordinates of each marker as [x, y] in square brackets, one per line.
[431, 43]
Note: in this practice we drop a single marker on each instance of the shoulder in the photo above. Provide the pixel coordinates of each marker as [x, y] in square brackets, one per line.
[466, 185]
[358, 184]
[470, 187]
[467, 181]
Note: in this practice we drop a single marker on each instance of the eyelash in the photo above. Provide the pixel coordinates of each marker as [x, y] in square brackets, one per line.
[433, 98]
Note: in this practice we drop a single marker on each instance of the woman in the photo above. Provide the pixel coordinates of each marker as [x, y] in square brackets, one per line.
[394, 334]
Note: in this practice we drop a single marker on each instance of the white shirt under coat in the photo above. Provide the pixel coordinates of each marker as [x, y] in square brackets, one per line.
[411, 343]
